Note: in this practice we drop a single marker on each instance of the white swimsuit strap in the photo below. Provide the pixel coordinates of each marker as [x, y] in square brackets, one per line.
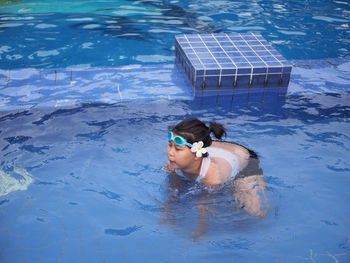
[204, 168]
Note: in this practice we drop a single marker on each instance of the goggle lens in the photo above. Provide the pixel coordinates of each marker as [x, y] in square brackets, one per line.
[179, 141]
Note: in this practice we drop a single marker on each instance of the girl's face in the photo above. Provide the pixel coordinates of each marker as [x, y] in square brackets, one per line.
[180, 156]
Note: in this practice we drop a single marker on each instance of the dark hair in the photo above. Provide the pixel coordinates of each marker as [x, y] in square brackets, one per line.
[194, 130]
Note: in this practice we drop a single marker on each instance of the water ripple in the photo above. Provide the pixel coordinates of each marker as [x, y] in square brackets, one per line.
[122, 232]
[148, 207]
[16, 115]
[57, 113]
[237, 244]
[106, 193]
[35, 149]
[18, 139]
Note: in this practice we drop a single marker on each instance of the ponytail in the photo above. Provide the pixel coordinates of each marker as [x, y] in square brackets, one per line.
[218, 129]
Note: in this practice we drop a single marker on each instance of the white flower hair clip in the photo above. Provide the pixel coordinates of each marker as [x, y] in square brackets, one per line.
[198, 148]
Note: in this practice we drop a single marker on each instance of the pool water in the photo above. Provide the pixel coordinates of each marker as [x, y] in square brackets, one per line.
[118, 33]
[83, 134]
[100, 192]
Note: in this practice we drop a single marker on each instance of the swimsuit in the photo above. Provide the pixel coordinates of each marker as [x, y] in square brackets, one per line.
[252, 168]
[215, 152]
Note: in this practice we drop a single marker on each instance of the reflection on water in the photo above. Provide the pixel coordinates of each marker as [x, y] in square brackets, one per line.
[16, 180]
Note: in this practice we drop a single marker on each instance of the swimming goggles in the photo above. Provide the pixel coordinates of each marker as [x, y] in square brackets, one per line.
[178, 140]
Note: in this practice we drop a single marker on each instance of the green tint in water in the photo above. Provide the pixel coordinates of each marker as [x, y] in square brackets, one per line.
[49, 6]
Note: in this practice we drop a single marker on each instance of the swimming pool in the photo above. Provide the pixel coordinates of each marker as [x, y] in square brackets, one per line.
[91, 132]
[118, 33]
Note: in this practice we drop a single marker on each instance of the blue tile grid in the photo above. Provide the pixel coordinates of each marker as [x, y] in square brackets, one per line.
[230, 60]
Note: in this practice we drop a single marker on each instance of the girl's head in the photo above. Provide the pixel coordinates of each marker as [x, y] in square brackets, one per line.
[194, 130]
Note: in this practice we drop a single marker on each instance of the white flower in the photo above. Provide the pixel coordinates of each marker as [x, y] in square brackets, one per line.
[197, 148]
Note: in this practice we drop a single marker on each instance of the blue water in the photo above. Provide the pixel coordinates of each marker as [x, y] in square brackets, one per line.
[99, 189]
[55, 34]
[87, 92]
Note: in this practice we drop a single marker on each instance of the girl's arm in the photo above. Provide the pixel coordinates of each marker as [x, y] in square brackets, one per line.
[202, 224]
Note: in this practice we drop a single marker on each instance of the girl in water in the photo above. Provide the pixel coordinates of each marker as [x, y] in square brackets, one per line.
[193, 154]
